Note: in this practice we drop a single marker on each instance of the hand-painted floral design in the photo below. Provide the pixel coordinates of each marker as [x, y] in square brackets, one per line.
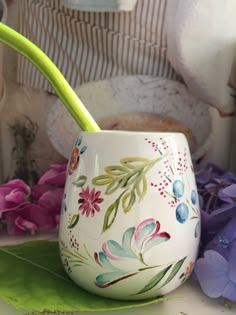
[187, 272]
[130, 178]
[72, 257]
[74, 161]
[173, 185]
[75, 156]
[136, 242]
[89, 201]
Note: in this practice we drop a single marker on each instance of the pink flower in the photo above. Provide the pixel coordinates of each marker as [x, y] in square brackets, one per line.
[89, 201]
[13, 195]
[31, 218]
[49, 199]
[56, 175]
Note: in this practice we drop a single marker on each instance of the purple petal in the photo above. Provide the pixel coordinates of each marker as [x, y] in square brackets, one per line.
[230, 230]
[203, 177]
[223, 239]
[211, 272]
[232, 262]
[230, 191]
[230, 291]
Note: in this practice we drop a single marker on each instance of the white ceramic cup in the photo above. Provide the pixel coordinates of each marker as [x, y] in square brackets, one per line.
[130, 221]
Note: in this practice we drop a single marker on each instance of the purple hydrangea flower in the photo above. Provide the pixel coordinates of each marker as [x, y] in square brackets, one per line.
[216, 277]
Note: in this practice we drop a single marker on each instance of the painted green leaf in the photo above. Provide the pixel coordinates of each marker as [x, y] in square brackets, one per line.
[155, 280]
[141, 187]
[113, 186]
[73, 222]
[40, 283]
[116, 170]
[83, 149]
[128, 201]
[110, 215]
[102, 180]
[80, 181]
[197, 229]
[78, 141]
[134, 162]
[174, 271]
[129, 179]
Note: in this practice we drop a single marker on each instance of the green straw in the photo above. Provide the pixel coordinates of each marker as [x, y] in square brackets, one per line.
[49, 70]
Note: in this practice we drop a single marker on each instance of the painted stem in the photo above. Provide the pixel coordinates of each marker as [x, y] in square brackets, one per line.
[49, 70]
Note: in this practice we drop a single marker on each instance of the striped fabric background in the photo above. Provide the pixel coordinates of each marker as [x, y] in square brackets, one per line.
[90, 46]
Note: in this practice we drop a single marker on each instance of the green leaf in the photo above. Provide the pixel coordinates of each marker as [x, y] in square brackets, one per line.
[80, 181]
[134, 162]
[83, 149]
[73, 221]
[110, 215]
[129, 179]
[102, 180]
[174, 271]
[113, 186]
[155, 280]
[40, 283]
[116, 170]
[197, 229]
[128, 201]
[78, 141]
[141, 187]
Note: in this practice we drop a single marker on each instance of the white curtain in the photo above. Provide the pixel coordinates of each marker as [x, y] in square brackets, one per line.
[201, 38]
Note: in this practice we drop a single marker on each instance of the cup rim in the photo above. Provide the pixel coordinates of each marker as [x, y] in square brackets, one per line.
[132, 133]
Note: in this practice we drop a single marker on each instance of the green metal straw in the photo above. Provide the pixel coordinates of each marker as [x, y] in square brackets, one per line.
[49, 70]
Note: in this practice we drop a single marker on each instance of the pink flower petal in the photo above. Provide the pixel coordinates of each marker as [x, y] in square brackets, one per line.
[41, 216]
[17, 183]
[39, 190]
[59, 167]
[25, 225]
[12, 229]
[16, 196]
[52, 200]
[56, 175]
[140, 227]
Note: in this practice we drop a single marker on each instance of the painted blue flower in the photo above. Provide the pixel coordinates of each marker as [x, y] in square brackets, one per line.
[178, 188]
[216, 276]
[194, 197]
[182, 212]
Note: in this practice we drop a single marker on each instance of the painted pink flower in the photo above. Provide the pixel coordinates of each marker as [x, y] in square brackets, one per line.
[89, 201]
[56, 175]
[13, 195]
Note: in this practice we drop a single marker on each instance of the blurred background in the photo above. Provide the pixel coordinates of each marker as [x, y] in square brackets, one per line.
[148, 56]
